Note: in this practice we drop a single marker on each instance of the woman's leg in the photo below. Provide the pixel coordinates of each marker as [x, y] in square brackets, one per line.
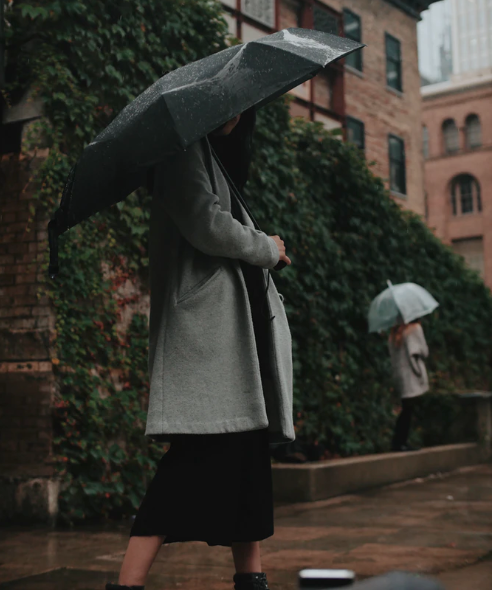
[247, 557]
[140, 554]
[402, 428]
[247, 560]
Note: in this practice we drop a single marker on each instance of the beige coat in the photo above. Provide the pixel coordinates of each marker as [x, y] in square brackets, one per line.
[407, 362]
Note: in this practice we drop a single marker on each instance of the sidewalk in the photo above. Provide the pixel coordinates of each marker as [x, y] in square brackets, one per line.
[439, 526]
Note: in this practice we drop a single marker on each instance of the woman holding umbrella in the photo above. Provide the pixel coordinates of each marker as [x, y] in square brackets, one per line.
[400, 308]
[408, 350]
[220, 358]
[220, 362]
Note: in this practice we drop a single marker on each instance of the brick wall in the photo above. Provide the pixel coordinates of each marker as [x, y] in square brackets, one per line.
[26, 323]
[440, 168]
[385, 111]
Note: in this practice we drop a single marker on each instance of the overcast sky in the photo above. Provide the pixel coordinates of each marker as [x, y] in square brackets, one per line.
[432, 30]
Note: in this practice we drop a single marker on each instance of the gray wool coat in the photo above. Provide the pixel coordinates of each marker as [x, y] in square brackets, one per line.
[407, 362]
[203, 362]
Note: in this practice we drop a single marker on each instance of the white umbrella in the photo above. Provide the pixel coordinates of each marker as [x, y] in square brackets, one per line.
[399, 304]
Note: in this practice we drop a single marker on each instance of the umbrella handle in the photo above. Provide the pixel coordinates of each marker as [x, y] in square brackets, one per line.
[281, 264]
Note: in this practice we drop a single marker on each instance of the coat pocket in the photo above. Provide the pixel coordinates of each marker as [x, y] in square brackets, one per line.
[198, 287]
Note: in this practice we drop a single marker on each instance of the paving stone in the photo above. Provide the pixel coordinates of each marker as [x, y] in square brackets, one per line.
[439, 526]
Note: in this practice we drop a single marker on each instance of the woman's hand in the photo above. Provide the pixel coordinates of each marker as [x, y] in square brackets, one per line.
[281, 248]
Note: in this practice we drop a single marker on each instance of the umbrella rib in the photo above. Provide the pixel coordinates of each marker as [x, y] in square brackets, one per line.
[390, 286]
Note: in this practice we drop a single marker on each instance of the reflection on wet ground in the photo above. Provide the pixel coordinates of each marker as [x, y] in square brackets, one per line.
[439, 526]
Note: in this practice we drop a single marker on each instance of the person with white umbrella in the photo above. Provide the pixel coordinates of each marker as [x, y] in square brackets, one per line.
[400, 308]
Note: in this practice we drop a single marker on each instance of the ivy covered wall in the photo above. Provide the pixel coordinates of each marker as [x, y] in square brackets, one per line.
[87, 60]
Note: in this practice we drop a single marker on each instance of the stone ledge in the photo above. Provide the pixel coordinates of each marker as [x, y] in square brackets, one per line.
[293, 483]
[28, 501]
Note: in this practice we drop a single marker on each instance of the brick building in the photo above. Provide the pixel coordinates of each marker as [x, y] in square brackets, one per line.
[27, 487]
[374, 96]
[457, 129]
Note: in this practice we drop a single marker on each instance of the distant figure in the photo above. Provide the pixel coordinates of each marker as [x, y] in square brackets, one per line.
[407, 349]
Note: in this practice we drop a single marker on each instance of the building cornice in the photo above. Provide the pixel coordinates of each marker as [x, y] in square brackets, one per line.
[450, 88]
[485, 148]
[412, 7]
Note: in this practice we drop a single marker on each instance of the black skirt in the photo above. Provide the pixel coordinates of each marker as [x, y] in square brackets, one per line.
[211, 488]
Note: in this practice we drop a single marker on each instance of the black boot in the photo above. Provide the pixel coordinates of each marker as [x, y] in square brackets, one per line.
[250, 581]
[111, 586]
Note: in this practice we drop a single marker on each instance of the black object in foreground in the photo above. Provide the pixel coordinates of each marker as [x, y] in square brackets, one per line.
[332, 579]
[182, 107]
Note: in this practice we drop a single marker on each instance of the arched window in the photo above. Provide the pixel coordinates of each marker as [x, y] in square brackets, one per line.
[473, 132]
[450, 136]
[425, 142]
[465, 195]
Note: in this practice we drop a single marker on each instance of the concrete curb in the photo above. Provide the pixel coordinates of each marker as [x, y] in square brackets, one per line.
[293, 483]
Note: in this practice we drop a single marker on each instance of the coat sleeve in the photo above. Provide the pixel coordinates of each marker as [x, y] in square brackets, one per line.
[416, 349]
[417, 344]
[425, 349]
[191, 204]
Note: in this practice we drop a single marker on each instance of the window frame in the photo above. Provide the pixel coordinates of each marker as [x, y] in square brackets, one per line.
[467, 260]
[392, 160]
[335, 70]
[425, 141]
[358, 54]
[351, 119]
[468, 146]
[391, 59]
[271, 25]
[456, 195]
[453, 151]
[327, 10]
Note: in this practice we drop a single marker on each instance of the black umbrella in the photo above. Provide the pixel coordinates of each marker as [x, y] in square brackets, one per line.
[183, 106]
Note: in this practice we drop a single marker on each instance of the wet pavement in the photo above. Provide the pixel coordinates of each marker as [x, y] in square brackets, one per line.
[439, 526]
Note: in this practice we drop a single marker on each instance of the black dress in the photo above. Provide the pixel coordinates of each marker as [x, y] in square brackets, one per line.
[216, 488]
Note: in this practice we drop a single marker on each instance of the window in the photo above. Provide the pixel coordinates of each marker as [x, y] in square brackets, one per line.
[473, 131]
[291, 13]
[393, 62]
[397, 166]
[260, 10]
[450, 137]
[425, 142]
[472, 250]
[355, 132]
[353, 30]
[325, 21]
[323, 91]
[465, 195]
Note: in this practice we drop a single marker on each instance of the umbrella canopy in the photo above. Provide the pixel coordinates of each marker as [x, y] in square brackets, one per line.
[183, 106]
[399, 304]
